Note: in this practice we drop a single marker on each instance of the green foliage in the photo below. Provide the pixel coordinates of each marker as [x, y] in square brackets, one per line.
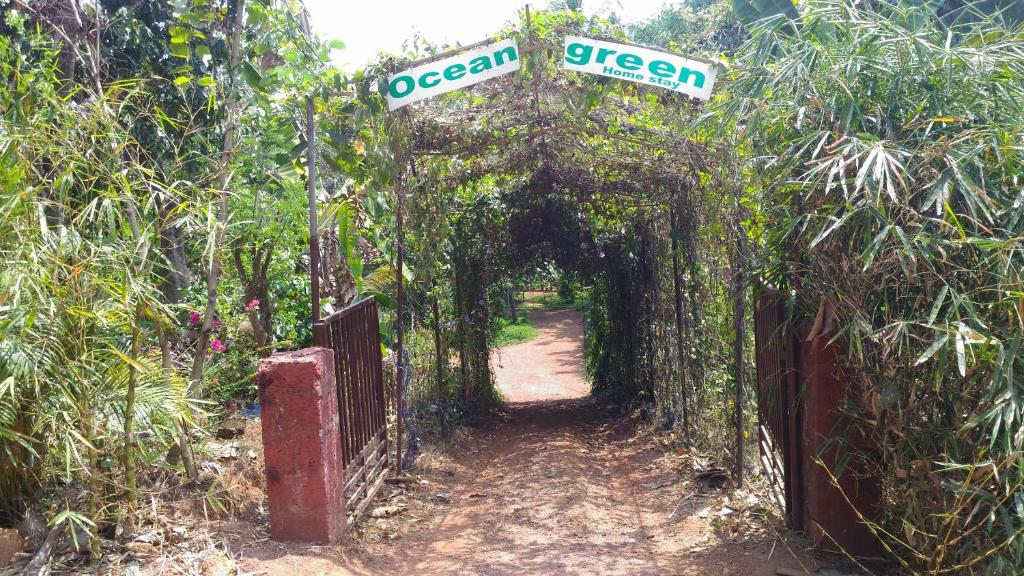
[881, 179]
[78, 228]
[709, 26]
[887, 141]
[110, 183]
[753, 11]
[585, 190]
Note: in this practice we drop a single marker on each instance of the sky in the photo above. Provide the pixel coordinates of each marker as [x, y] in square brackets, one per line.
[369, 26]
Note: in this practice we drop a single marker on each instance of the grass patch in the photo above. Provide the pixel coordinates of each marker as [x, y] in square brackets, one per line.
[506, 333]
[549, 302]
[509, 333]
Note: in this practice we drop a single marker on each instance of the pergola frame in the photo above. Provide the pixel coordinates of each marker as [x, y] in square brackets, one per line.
[529, 121]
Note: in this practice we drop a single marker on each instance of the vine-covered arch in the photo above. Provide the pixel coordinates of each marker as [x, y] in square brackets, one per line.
[608, 179]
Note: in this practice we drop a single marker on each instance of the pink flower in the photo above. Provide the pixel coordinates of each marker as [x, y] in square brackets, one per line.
[252, 305]
[218, 346]
[194, 317]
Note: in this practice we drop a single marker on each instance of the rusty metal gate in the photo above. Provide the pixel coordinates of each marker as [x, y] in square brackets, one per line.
[777, 352]
[354, 336]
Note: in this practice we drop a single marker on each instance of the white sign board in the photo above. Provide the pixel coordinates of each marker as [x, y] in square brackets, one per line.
[641, 65]
[458, 71]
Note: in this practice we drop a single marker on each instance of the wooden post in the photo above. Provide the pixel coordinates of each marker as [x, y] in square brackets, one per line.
[512, 311]
[533, 86]
[442, 393]
[399, 325]
[683, 380]
[460, 327]
[738, 328]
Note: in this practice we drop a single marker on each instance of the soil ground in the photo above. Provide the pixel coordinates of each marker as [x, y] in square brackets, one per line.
[555, 486]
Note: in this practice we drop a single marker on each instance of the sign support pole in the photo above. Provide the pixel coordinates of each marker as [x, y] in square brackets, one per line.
[533, 85]
[314, 235]
[319, 336]
[399, 295]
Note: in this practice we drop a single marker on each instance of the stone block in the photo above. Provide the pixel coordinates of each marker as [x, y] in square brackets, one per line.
[302, 446]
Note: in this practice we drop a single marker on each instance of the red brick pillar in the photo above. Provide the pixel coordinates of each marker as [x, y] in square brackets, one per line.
[829, 520]
[299, 411]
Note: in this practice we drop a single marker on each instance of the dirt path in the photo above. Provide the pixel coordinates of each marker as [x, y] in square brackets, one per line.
[548, 367]
[558, 488]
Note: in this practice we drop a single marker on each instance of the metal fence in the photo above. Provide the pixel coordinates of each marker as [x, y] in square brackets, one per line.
[777, 352]
[354, 336]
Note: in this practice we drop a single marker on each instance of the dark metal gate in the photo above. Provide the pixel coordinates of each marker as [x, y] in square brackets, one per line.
[777, 352]
[354, 336]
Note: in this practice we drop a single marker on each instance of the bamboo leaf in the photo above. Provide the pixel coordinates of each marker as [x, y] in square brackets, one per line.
[939, 342]
[939, 300]
[961, 355]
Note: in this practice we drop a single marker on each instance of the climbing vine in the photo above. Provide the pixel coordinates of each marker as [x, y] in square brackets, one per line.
[543, 168]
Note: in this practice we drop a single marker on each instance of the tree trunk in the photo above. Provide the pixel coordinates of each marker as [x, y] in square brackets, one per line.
[227, 152]
[254, 282]
[177, 275]
[337, 275]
